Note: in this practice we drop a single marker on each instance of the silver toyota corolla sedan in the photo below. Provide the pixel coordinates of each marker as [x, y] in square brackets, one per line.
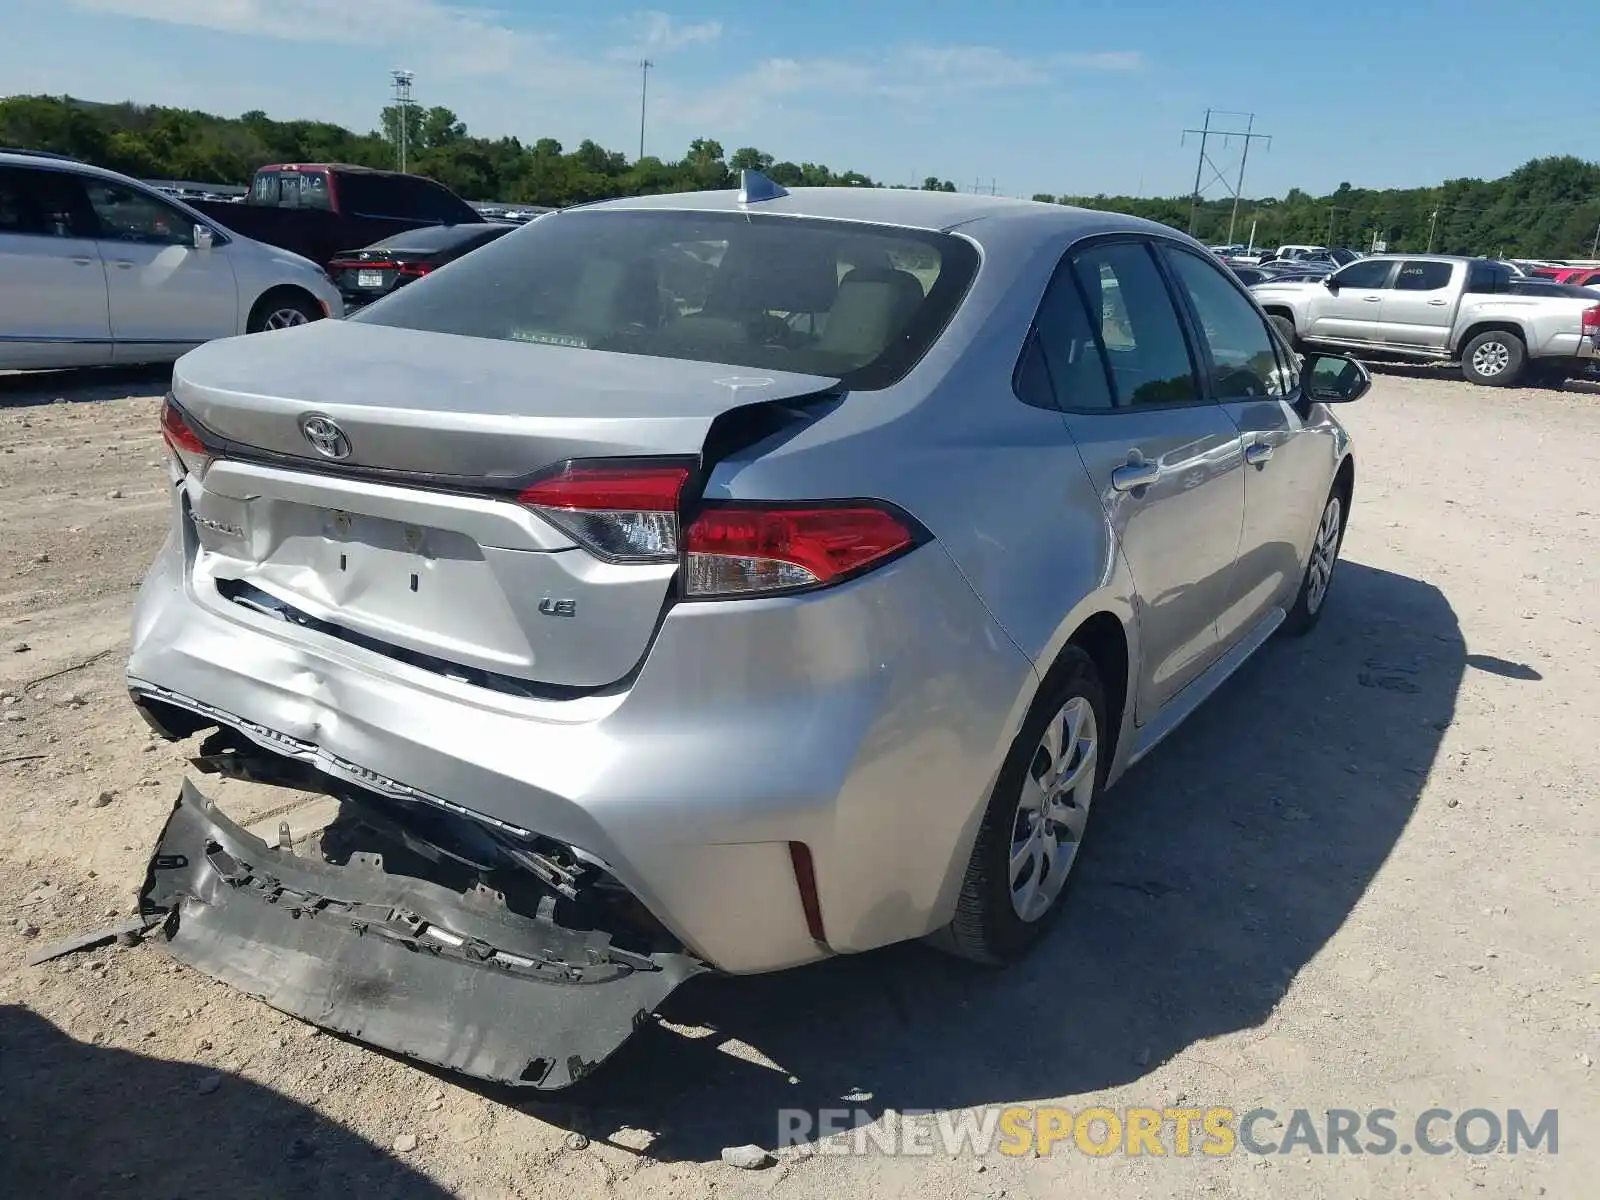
[714, 581]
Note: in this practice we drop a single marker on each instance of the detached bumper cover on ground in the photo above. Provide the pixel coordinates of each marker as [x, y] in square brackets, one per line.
[401, 963]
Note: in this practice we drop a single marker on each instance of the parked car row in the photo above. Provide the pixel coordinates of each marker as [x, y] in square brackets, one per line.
[1500, 327]
[97, 268]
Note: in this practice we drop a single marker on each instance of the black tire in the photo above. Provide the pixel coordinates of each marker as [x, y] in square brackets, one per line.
[987, 927]
[1312, 600]
[1285, 328]
[271, 311]
[1497, 358]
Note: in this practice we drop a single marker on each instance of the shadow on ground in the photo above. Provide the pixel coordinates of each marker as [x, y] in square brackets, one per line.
[81, 1120]
[1218, 868]
[90, 385]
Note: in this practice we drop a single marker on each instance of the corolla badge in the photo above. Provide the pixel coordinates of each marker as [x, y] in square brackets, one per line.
[325, 436]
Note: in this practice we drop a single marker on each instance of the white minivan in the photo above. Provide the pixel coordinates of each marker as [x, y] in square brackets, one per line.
[98, 269]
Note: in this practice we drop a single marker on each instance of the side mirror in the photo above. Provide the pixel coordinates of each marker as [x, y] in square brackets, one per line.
[204, 239]
[1329, 282]
[1334, 379]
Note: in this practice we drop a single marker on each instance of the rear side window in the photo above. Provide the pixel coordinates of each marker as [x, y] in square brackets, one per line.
[862, 303]
[1138, 325]
[1488, 279]
[1422, 276]
[1068, 361]
[43, 203]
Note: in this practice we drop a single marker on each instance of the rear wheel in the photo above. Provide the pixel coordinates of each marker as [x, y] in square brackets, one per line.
[1496, 358]
[283, 308]
[1028, 843]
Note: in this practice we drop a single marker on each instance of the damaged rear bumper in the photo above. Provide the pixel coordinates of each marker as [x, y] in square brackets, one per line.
[454, 978]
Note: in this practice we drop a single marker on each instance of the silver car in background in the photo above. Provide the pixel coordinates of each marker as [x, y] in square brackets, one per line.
[710, 581]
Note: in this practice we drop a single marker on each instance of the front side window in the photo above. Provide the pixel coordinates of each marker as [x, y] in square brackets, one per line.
[1139, 328]
[862, 303]
[128, 215]
[1422, 277]
[1244, 363]
[1368, 273]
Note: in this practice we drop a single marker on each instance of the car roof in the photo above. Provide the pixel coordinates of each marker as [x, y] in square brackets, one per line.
[904, 207]
[31, 158]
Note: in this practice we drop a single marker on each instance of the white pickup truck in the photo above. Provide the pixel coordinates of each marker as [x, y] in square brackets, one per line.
[1443, 309]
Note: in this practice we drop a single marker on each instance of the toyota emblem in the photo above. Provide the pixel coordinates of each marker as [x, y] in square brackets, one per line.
[325, 436]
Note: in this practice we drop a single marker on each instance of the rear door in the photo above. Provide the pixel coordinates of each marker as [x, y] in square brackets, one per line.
[52, 284]
[1351, 309]
[1286, 471]
[165, 295]
[1419, 307]
[1163, 458]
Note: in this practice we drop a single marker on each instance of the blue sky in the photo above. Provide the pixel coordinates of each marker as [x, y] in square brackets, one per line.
[1033, 96]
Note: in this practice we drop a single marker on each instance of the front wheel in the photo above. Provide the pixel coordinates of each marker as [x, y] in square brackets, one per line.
[1314, 584]
[1033, 828]
[283, 309]
[1285, 328]
[1495, 359]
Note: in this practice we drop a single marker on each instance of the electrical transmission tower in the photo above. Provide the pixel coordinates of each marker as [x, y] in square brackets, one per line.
[402, 104]
[1235, 189]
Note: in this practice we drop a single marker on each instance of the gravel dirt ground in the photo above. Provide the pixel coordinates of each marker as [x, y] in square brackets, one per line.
[1363, 876]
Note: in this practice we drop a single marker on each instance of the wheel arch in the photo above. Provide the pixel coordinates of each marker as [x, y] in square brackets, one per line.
[1490, 325]
[276, 294]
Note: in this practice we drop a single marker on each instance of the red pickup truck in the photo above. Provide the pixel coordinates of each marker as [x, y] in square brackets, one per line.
[320, 209]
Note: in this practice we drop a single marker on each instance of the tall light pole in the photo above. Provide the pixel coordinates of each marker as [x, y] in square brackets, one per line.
[644, 94]
[1433, 221]
[402, 103]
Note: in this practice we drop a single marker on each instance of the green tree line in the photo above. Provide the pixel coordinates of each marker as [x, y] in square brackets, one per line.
[151, 142]
[1548, 208]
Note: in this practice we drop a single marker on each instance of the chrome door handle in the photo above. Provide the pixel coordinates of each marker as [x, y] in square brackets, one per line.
[82, 262]
[1257, 453]
[1372, 299]
[125, 263]
[1135, 475]
[1438, 303]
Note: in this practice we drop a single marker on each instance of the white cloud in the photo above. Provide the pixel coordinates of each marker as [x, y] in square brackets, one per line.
[477, 63]
[658, 33]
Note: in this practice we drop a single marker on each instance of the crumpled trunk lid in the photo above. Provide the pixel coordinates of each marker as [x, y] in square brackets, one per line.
[411, 540]
[453, 978]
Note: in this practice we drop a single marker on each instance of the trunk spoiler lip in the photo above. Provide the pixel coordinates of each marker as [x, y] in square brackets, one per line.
[359, 962]
[503, 487]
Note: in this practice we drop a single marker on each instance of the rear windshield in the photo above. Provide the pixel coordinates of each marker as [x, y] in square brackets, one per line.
[442, 237]
[857, 302]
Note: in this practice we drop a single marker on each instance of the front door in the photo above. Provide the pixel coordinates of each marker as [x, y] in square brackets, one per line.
[52, 285]
[1349, 308]
[1419, 309]
[165, 295]
[1286, 469]
[1164, 459]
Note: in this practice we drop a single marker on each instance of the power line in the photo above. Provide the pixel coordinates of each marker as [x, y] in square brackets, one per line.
[1235, 190]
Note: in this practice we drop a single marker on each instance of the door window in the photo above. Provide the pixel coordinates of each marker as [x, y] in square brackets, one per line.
[1064, 367]
[42, 203]
[127, 215]
[1368, 273]
[1422, 276]
[1138, 326]
[1488, 278]
[1244, 363]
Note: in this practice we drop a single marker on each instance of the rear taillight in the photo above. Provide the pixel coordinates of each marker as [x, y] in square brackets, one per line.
[628, 513]
[1591, 320]
[187, 448]
[414, 270]
[747, 550]
[623, 513]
